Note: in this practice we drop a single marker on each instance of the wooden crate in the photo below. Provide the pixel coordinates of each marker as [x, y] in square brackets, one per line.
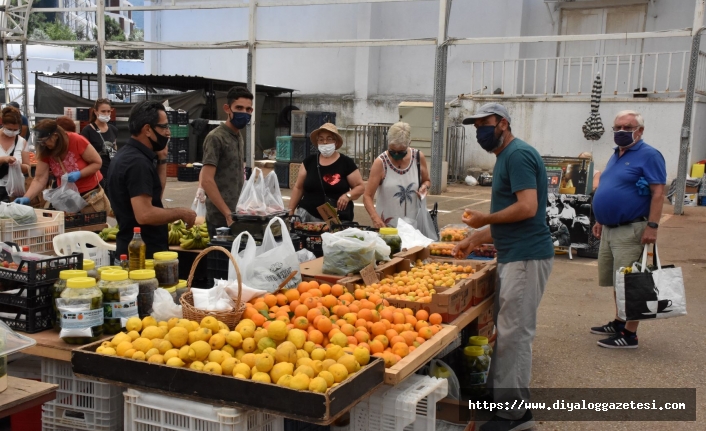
[421, 355]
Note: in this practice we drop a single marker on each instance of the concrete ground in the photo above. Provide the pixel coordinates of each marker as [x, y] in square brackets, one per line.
[671, 354]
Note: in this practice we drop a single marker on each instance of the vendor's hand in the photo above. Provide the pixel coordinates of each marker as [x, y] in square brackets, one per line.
[201, 195]
[188, 216]
[597, 230]
[74, 176]
[379, 223]
[22, 201]
[474, 219]
[463, 248]
[649, 236]
[342, 202]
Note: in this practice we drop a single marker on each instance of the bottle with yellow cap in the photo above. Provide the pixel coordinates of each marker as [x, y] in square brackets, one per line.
[90, 267]
[81, 311]
[59, 287]
[166, 266]
[119, 299]
[392, 239]
[147, 282]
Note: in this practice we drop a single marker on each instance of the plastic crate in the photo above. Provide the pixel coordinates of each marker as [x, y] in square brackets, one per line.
[188, 174]
[78, 220]
[316, 119]
[178, 151]
[179, 131]
[298, 123]
[28, 320]
[172, 170]
[147, 411]
[38, 236]
[282, 172]
[284, 148]
[312, 243]
[172, 117]
[28, 297]
[182, 117]
[217, 261]
[42, 271]
[83, 114]
[80, 403]
[292, 425]
[408, 406]
[293, 173]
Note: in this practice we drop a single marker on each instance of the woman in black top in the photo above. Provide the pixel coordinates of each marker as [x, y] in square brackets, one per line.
[327, 176]
[101, 135]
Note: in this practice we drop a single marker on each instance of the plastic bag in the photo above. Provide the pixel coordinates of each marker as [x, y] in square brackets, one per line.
[15, 181]
[410, 236]
[21, 214]
[65, 197]
[425, 224]
[214, 299]
[273, 196]
[199, 208]
[351, 250]
[471, 181]
[163, 307]
[305, 255]
[252, 196]
[231, 287]
[266, 266]
[441, 370]
[78, 319]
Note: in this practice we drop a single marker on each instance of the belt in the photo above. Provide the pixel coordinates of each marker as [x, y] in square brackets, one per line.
[637, 220]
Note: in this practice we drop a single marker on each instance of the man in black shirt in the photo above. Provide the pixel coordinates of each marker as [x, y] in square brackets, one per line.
[136, 181]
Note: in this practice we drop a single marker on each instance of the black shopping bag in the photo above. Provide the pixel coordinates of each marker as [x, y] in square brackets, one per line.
[639, 289]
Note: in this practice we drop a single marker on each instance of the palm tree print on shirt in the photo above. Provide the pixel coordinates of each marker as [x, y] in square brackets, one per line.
[404, 195]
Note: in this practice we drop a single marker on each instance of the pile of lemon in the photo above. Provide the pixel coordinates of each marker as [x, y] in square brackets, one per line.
[277, 354]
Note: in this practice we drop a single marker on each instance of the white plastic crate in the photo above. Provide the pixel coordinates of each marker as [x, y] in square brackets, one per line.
[146, 411]
[38, 236]
[409, 406]
[80, 403]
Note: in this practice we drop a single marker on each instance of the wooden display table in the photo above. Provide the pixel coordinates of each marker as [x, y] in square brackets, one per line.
[49, 345]
[22, 394]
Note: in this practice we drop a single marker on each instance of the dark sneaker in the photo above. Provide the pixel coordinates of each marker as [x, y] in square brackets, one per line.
[619, 341]
[499, 424]
[611, 328]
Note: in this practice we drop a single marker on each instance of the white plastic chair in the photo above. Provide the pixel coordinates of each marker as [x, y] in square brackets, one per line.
[77, 242]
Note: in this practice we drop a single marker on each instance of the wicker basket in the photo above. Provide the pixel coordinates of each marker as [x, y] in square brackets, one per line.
[230, 318]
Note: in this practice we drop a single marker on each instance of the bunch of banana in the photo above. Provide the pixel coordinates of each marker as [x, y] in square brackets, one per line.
[195, 238]
[176, 231]
[109, 233]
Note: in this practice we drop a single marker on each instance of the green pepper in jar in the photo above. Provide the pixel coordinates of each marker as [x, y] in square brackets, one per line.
[81, 311]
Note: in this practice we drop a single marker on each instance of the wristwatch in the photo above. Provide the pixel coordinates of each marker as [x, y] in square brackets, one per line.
[162, 161]
[652, 224]
[348, 195]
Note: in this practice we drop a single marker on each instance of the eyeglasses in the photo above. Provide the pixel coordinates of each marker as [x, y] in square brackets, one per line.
[162, 126]
[322, 140]
[625, 128]
[397, 153]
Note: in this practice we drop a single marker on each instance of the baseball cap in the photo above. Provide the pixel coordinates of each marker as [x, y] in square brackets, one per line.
[487, 110]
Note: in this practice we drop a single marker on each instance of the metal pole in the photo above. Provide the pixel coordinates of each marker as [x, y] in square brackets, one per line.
[252, 72]
[7, 66]
[437, 137]
[100, 57]
[25, 79]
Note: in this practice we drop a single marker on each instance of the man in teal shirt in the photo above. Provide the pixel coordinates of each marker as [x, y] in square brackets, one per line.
[525, 257]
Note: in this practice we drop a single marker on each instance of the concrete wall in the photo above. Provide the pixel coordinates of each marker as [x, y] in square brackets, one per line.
[554, 128]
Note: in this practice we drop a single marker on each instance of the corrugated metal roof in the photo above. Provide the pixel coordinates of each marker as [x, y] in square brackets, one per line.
[174, 82]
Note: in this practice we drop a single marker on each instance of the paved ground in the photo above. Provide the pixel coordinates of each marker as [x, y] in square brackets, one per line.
[672, 352]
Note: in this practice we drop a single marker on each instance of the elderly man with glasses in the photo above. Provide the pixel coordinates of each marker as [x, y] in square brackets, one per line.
[627, 207]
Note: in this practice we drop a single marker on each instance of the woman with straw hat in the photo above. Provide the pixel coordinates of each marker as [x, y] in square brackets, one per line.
[328, 176]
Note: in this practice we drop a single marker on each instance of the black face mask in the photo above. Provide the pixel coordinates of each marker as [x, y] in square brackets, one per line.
[160, 144]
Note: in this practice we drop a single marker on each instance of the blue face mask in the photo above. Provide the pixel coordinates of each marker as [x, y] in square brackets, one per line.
[623, 138]
[485, 135]
[240, 119]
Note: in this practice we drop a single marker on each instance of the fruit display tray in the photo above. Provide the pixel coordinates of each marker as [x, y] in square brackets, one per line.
[199, 386]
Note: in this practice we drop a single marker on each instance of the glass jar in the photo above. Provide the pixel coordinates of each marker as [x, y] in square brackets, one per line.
[476, 364]
[106, 268]
[149, 263]
[392, 239]
[59, 287]
[147, 282]
[181, 289]
[119, 299]
[172, 291]
[166, 265]
[481, 341]
[81, 311]
[90, 267]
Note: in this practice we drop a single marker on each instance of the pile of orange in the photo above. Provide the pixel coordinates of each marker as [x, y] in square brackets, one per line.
[330, 315]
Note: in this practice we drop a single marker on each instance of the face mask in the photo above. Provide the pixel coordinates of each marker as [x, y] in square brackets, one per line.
[240, 119]
[327, 150]
[104, 118]
[160, 144]
[10, 133]
[397, 155]
[623, 138]
[485, 135]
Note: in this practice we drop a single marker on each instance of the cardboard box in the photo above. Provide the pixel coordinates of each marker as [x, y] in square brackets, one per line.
[314, 270]
[690, 200]
[486, 317]
[487, 330]
[227, 391]
[455, 411]
[691, 190]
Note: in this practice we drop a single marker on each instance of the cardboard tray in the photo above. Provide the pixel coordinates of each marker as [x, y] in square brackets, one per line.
[228, 391]
[314, 270]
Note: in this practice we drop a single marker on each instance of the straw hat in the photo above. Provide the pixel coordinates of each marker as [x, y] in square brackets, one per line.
[329, 127]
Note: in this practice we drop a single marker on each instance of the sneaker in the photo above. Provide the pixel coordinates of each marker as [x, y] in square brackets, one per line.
[500, 424]
[619, 341]
[611, 328]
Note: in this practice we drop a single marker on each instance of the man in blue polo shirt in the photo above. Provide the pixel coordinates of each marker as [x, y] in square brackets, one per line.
[627, 206]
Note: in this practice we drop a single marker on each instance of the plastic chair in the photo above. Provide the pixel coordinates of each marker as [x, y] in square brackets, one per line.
[79, 242]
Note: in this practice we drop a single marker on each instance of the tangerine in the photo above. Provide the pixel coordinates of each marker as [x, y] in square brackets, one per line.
[316, 337]
[316, 293]
[422, 315]
[384, 340]
[303, 287]
[312, 314]
[435, 319]
[348, 329]
[301, 310]
[270, 300]
[376, 347]
[324, 325]
[400, 349]
[259, 319]
[291, 294]
[362, 336]
[325, 289]
[378, 328]
[337, 290]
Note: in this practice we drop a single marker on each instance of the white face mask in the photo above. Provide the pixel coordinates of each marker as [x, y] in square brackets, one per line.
[327, 150]
[10, 133]
[104, 118]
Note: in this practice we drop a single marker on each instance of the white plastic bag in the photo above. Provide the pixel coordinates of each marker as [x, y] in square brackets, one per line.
[351, 250]
[273, 196]
[214, 299]
[441, 370]
[305, 255]
[163, 306]
[15, 181]
[65, 197]
[231, 287]
[471, 181]
[252, 196]
[267, 266]
[425, 224]
[21, 214]
[199, 208]
[410, 236]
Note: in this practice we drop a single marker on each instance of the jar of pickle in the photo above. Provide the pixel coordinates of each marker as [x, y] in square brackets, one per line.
[166, 266]
[106, 268]
[478, 340]
[147, 283]
[81, 311]
[476, 364]
[392, 239]
[119, 299]
[149, 263]
[90, 267]
[59, 287]
[181, 288]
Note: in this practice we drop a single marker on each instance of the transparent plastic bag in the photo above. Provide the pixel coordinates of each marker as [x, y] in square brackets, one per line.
[163, 307]
[199, 207]
[273, 196]
[439, 369]
[252, 196]
[425, 224]
[21, 214]
[65, 197]
[351, 250]
[15, 181]
[78, 317]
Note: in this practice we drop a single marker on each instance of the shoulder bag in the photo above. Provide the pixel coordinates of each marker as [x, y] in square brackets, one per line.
[96, 199]
[346, 214]
[5, 168]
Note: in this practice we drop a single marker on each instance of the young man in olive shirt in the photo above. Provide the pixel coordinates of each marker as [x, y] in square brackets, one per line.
[223, 160]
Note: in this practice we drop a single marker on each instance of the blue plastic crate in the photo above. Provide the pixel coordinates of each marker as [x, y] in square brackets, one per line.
[300, 150]
[284, 148]
[282, 172]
